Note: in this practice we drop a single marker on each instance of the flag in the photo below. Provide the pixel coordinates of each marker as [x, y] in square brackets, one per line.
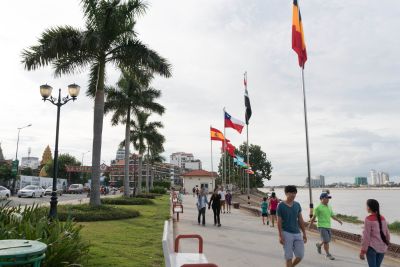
[231, 122]
[216, 134]
[246, 100]
[230, 149]
[298, 43]
[250, 171]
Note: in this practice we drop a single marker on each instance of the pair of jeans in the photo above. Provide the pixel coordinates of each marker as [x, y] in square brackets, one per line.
[374, 258]
[216, 211]
[202, 212]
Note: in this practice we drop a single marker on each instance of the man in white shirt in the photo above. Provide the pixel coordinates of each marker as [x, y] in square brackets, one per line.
[222, 193]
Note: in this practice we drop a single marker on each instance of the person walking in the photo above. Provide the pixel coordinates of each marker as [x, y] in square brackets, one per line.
[215, 203]
[376, 237]
[323, 213]
[228, 199]
[194, 191]
[290, 221]
[273, 205]
[201, 206]
[222, 194]
[264, 210]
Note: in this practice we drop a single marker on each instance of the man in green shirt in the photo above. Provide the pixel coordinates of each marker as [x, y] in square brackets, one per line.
[323, 213]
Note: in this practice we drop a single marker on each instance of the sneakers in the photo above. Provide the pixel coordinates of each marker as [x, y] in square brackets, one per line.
[219, 225]
[319, 248]
[329, 256]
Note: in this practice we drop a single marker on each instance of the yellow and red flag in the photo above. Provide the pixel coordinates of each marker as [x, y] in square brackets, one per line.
[216, 134]
[298, 43]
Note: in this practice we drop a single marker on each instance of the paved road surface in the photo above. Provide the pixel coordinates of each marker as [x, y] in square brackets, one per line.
[244, 241]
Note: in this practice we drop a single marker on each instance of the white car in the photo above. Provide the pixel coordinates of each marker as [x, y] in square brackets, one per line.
[31, 191]
[4, 192]
[49, 190]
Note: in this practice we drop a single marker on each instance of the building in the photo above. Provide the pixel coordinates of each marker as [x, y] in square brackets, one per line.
[157, 171]
[374, 177]
[318, 181]
[30, 162]
[360, 181]
[384, 177]
[120, 154]
[200, 179]
[185, 161]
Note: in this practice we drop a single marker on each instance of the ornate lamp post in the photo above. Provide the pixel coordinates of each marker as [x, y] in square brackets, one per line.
[45, 91]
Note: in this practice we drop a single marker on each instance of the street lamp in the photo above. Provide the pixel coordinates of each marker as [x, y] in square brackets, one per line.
[15, 163]
[45, 91]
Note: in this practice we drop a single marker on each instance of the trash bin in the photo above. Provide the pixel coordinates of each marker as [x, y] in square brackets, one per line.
[236, 205]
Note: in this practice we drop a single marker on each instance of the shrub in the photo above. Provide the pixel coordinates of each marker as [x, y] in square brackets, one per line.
[163, 184]
[394, 227]
[147, 195]
[65, 246]
[158, 190]
[86, 213]
[126, 201]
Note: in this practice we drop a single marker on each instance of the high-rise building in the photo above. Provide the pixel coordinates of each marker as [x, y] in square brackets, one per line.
[384, 178]
[374, 177]
[361, 181]
[120, 154]
[185, 161]
[30, 162]
[318, 181]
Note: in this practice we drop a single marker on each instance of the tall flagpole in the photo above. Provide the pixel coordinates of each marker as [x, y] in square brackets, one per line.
[224, 150]
[248, 162]
[307, 145]
[212, 164]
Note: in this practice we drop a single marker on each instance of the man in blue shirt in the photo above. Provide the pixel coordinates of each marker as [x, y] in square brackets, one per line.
[290, 221]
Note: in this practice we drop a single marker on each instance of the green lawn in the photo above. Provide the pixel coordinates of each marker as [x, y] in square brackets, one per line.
[129, 242]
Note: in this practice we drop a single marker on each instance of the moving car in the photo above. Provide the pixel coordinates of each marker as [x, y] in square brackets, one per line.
[4, 192]
[31, 191]
[50, 189]
[75, 189]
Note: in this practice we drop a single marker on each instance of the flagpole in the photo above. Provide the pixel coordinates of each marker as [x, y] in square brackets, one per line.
[248, 162]
[224, 150]
[307, 144]
[212, 164]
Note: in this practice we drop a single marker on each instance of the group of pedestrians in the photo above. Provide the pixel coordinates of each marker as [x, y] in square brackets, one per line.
[292, 234]
[268, 209]
[220, 202]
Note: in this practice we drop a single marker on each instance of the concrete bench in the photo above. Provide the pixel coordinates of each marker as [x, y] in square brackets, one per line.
[174, 258]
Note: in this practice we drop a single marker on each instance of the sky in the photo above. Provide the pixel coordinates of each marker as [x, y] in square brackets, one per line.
[351, 83]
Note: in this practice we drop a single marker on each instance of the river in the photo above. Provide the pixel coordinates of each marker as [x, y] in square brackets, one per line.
[351, 202]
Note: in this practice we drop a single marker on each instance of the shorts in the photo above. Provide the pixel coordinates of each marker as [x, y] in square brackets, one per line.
[222, 202]
[293, 244]
[272, 212]
[325, 234]
[264, 214]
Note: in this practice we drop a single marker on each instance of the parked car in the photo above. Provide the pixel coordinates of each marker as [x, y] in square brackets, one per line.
[4, 192]
[75, 189]
[31, 191]
[49, 190]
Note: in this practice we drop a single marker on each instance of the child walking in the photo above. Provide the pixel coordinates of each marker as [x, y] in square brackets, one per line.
[264, 210]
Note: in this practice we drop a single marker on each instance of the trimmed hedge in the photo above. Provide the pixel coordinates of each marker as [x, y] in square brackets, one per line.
[147, 195]
[158, 190]
[126, 201]
[86, 213]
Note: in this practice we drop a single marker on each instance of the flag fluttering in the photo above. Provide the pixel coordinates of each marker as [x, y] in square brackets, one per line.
[246, 100]
[229, 148]
[216, 134]
[298, 43]
[231, 122]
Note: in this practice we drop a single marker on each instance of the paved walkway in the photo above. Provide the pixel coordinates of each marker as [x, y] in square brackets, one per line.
[244, 241]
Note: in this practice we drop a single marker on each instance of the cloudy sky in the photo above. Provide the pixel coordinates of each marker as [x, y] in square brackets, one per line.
[351, 79]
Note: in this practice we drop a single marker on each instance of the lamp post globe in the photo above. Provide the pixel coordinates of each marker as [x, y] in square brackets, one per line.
[45, 92]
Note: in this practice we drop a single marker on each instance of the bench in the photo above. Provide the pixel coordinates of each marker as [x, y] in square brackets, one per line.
[174, 258]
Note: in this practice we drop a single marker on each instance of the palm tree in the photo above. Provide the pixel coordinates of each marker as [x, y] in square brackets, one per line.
[133, 96]
[155, 147]
[108, 38]
[143, 133]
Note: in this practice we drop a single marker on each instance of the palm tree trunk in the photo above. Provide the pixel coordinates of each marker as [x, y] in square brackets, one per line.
[97, 136]
[152, 177]
[147, 169]
[127, 145]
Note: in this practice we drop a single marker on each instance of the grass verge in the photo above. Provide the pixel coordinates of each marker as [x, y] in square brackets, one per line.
[129, 242]
[348, 218]
[126, 201]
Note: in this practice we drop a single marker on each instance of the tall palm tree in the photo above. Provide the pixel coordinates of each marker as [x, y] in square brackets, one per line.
[143, 133]
[108, 38]
[132, 96]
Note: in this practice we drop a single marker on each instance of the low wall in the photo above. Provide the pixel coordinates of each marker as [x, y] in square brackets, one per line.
[355, 239]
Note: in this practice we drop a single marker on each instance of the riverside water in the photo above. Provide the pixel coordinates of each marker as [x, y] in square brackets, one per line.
[351, 202]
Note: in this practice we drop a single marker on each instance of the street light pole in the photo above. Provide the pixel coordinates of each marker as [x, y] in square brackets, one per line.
[45, 91]
[16, 157]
